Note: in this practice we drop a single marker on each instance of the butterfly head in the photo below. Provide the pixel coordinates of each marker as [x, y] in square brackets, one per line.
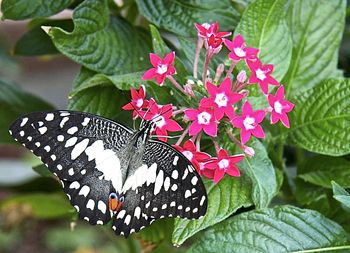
[147, 127]
[115, 201]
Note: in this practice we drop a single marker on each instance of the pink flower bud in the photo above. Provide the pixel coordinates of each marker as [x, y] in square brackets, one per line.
[242, 76]
[249, 151]
[188, 89]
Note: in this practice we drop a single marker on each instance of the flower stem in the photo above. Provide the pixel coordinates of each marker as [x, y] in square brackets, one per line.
[232, 66]
[200, 43]
[179, 111]
[178, 86]
[206, 65]
[234, 139]
[198, 142]
[217, 148]
[219, 70]
[178, 142]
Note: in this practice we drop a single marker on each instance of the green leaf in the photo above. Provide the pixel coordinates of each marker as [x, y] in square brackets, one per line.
[103, 100]
[263, 26]
[15, 102]
[317, 28]
[320, 121]
[260, 170]
[279, 229]
[224, 199]
[321, 170]
[37, 42]
[42, 170]
[23, 9]
[179, 16]
[103, 44]
[341, 194]
[158, 232]
[40, 205]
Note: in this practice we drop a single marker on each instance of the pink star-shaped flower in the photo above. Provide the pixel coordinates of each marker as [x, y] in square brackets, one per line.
[222, 98]
[248, 122]
[224, 164]
[161, 115]
[161, 68]
[138, 101]
[261, 75]
[206, 30]
[195, 157]
[239, 50]
[203, 118]
[280, 107]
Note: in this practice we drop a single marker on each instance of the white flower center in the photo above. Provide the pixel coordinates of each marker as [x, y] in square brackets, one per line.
[139, 102]
[260, 74]
[239, 52]
[162, 68]
[204, 118]
[188, 154]
[248, 123]
[221, 100]
[278, 107]
[223, 164]
[159, 120]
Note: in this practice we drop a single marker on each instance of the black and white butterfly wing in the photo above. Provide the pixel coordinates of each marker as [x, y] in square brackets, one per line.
[166, 185]
[83, 151]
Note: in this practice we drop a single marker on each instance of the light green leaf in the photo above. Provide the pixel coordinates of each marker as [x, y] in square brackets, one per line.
[263, 26]
[260, 170]
[320, 121]
[317, 28]
[15, 102]
[158, 232]
[42, 170]
[224, 199]
[103, 44]
[23, 9]
[37, 42]
[321, 170]
[179, 16]
[40, 205]
[280, 229]
[341, 194]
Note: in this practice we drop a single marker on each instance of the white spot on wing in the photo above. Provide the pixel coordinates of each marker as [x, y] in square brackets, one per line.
[24, 121]
[143, 174]
[71, 171]
[49, 117]
[60, 138]
[127, 219]
[71, 142]
[47, 148]
[77, 208]
[185, 174]
[137, 212]
[59, 167]
[63, 121]
[84, 190]
[174, 187]
[194, 180]
[64, 114]
[42, 130]
[99, 222]
[166, 183]
[79, 148]
[202, 201]
[72, 130]
[102, 206]
[173, 203]
[21, 133]
[121, 214]
[90, 204]
[159, 182]
[107, 162]
[187, 193]
[53, 157]
[74, 185]
[85, 122]
[176, 159]
[175, 174]
[37, 144]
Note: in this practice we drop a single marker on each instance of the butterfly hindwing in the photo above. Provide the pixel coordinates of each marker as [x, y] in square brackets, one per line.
[168, 186]
[82, 150]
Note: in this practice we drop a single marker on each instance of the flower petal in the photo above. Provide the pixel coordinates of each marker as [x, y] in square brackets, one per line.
[160, 79]
[172, 125]
[218, 175]
[238, 122]
[211, 129]
[285, 120]
[195, 128]
[191, 114]
[128, 107]
[154, 59]
[149, 74]
[259, 115]
[189, 145]
[245, 135]
[258, 132]
[211, 88]
[238, 41]
[226, 85]
[233, 171]
[247, 108]
[169, 58]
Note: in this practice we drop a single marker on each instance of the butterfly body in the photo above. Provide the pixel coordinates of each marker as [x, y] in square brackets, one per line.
[109, 171]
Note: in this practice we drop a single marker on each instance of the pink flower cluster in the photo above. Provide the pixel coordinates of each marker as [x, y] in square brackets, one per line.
[218, 107]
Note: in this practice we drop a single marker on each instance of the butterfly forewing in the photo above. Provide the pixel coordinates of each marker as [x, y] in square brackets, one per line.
[82, 150]
[168, 187]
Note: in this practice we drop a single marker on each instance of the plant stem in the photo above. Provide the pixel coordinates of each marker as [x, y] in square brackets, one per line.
[182, 136]
[232, 66]
[234, 139]
[217, 148]
[206, 65]
[198, 142]
[178, 86]
[323, 249]
[200, 43]
[179, 111]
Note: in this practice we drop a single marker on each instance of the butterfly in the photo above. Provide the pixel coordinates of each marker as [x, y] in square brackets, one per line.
[112, 172]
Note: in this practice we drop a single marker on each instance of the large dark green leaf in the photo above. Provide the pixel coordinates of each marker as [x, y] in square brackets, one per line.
[321, 119]
[15, 102]
[263, 26]
[317, 28]
[23, 9]
[37, 42]
[321, 170]
[41, 205]
[179, 16]
[224, 199]
[100, 43]
[279, 229]
[262, 174]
